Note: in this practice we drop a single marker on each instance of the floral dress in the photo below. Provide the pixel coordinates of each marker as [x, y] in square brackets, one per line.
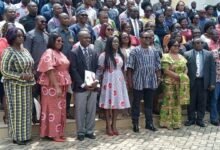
[114, 93]
[53, 108]
[175, 93]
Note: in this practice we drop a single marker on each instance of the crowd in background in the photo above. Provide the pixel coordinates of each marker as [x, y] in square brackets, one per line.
[133, 50]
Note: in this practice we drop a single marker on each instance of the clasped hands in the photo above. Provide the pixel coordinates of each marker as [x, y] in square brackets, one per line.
[27, 76]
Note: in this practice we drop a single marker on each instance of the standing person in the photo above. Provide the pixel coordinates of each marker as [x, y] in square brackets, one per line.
[10, 16]
[16, 68]
[54, 80]
[185, 31]
[143, 75]
[83, 58]
[29, 21]
[201, 72]
[105, 32]
[36, 43]
[67, 37]
[21, 9]
[54, 21]
[114, 95]
[176, 87]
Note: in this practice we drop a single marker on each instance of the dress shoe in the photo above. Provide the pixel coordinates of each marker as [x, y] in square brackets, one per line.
[151, 127]
[200, 123]
[21, 142]
[80, 137]
[189, 123]
[215, 123]
[135, 128]
[90, 136]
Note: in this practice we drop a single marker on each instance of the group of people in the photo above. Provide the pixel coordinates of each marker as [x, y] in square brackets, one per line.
[109, 56]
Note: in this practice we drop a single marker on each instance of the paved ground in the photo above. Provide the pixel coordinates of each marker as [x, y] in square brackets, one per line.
[192, 137]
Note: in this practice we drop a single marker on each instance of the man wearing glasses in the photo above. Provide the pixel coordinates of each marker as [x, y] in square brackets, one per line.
[143, 76]
[201, 72]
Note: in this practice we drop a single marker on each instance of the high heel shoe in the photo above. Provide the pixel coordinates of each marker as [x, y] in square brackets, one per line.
[58, 140]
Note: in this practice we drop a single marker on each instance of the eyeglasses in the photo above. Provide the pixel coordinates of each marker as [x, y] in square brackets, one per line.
[146, 37]
[84, 15]
[198, 42]
[108, 29]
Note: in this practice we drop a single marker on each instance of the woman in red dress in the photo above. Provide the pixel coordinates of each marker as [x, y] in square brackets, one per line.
[54, 81]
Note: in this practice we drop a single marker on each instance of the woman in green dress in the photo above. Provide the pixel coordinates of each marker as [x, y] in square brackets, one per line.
[175, 87]
[16, 68]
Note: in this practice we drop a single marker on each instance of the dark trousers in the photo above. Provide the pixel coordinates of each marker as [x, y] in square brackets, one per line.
[147, 95]
[68, 100]
[198, 98]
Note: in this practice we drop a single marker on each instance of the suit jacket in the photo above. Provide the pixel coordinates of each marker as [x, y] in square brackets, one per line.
[78, 66]
[73, 10]
[132, 28]
[209, 72]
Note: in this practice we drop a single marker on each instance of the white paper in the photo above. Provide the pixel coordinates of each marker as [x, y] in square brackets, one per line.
[89, 77]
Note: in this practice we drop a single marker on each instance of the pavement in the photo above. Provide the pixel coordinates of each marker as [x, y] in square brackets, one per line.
[186, 138]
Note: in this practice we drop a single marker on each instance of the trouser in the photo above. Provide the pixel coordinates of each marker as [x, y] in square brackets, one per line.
[215, 103]
[198, 98]
[85, 105]
[147, 95]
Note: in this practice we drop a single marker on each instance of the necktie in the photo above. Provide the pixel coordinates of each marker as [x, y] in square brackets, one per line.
[86, 54]
[136, 32]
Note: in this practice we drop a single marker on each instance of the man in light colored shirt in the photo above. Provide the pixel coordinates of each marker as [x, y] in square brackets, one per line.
[54, 22]
[21, 9]
[123, 17]
[10, 16]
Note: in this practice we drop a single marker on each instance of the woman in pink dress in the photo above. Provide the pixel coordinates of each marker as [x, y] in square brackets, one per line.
[54, 81]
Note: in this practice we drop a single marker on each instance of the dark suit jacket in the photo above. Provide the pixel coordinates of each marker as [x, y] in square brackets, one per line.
[73, 10]
[209, 72]
[132, 28]
[188, 45]
[78, 66]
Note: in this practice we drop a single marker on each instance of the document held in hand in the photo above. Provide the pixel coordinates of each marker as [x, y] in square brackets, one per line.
[89, 77]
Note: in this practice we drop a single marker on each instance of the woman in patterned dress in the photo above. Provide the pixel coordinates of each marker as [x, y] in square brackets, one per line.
[16, 68]
[176, 87]
[54, 81]
[114, 94]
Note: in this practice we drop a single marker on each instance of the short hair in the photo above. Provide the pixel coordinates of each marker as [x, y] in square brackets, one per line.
[144, 4]
[208, 6]
[208, 25]
[181, 19]
[123, 25]
[52, 40]
[175, 34]
[11, 34]
[171, 43]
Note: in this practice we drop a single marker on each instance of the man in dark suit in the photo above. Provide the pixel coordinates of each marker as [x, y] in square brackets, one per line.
[196, 33]
[201, 72]
[84, 58]
[136, 24]
[193, 10]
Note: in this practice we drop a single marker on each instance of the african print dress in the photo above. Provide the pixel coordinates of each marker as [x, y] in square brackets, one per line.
[53, 108]
[18, 92]
[114, 93]
[175, 93]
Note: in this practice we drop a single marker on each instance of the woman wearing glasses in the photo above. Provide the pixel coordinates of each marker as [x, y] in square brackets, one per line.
[175, 86]
[105, 32]
[54, 81]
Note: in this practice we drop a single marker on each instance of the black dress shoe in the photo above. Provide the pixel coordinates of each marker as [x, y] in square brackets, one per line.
[135, 128]
[151, 127]
[80, 137]
[200, 123]
[21, 142]
[15, 142]
[90, 136]
[189, 123]
[215, 123]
